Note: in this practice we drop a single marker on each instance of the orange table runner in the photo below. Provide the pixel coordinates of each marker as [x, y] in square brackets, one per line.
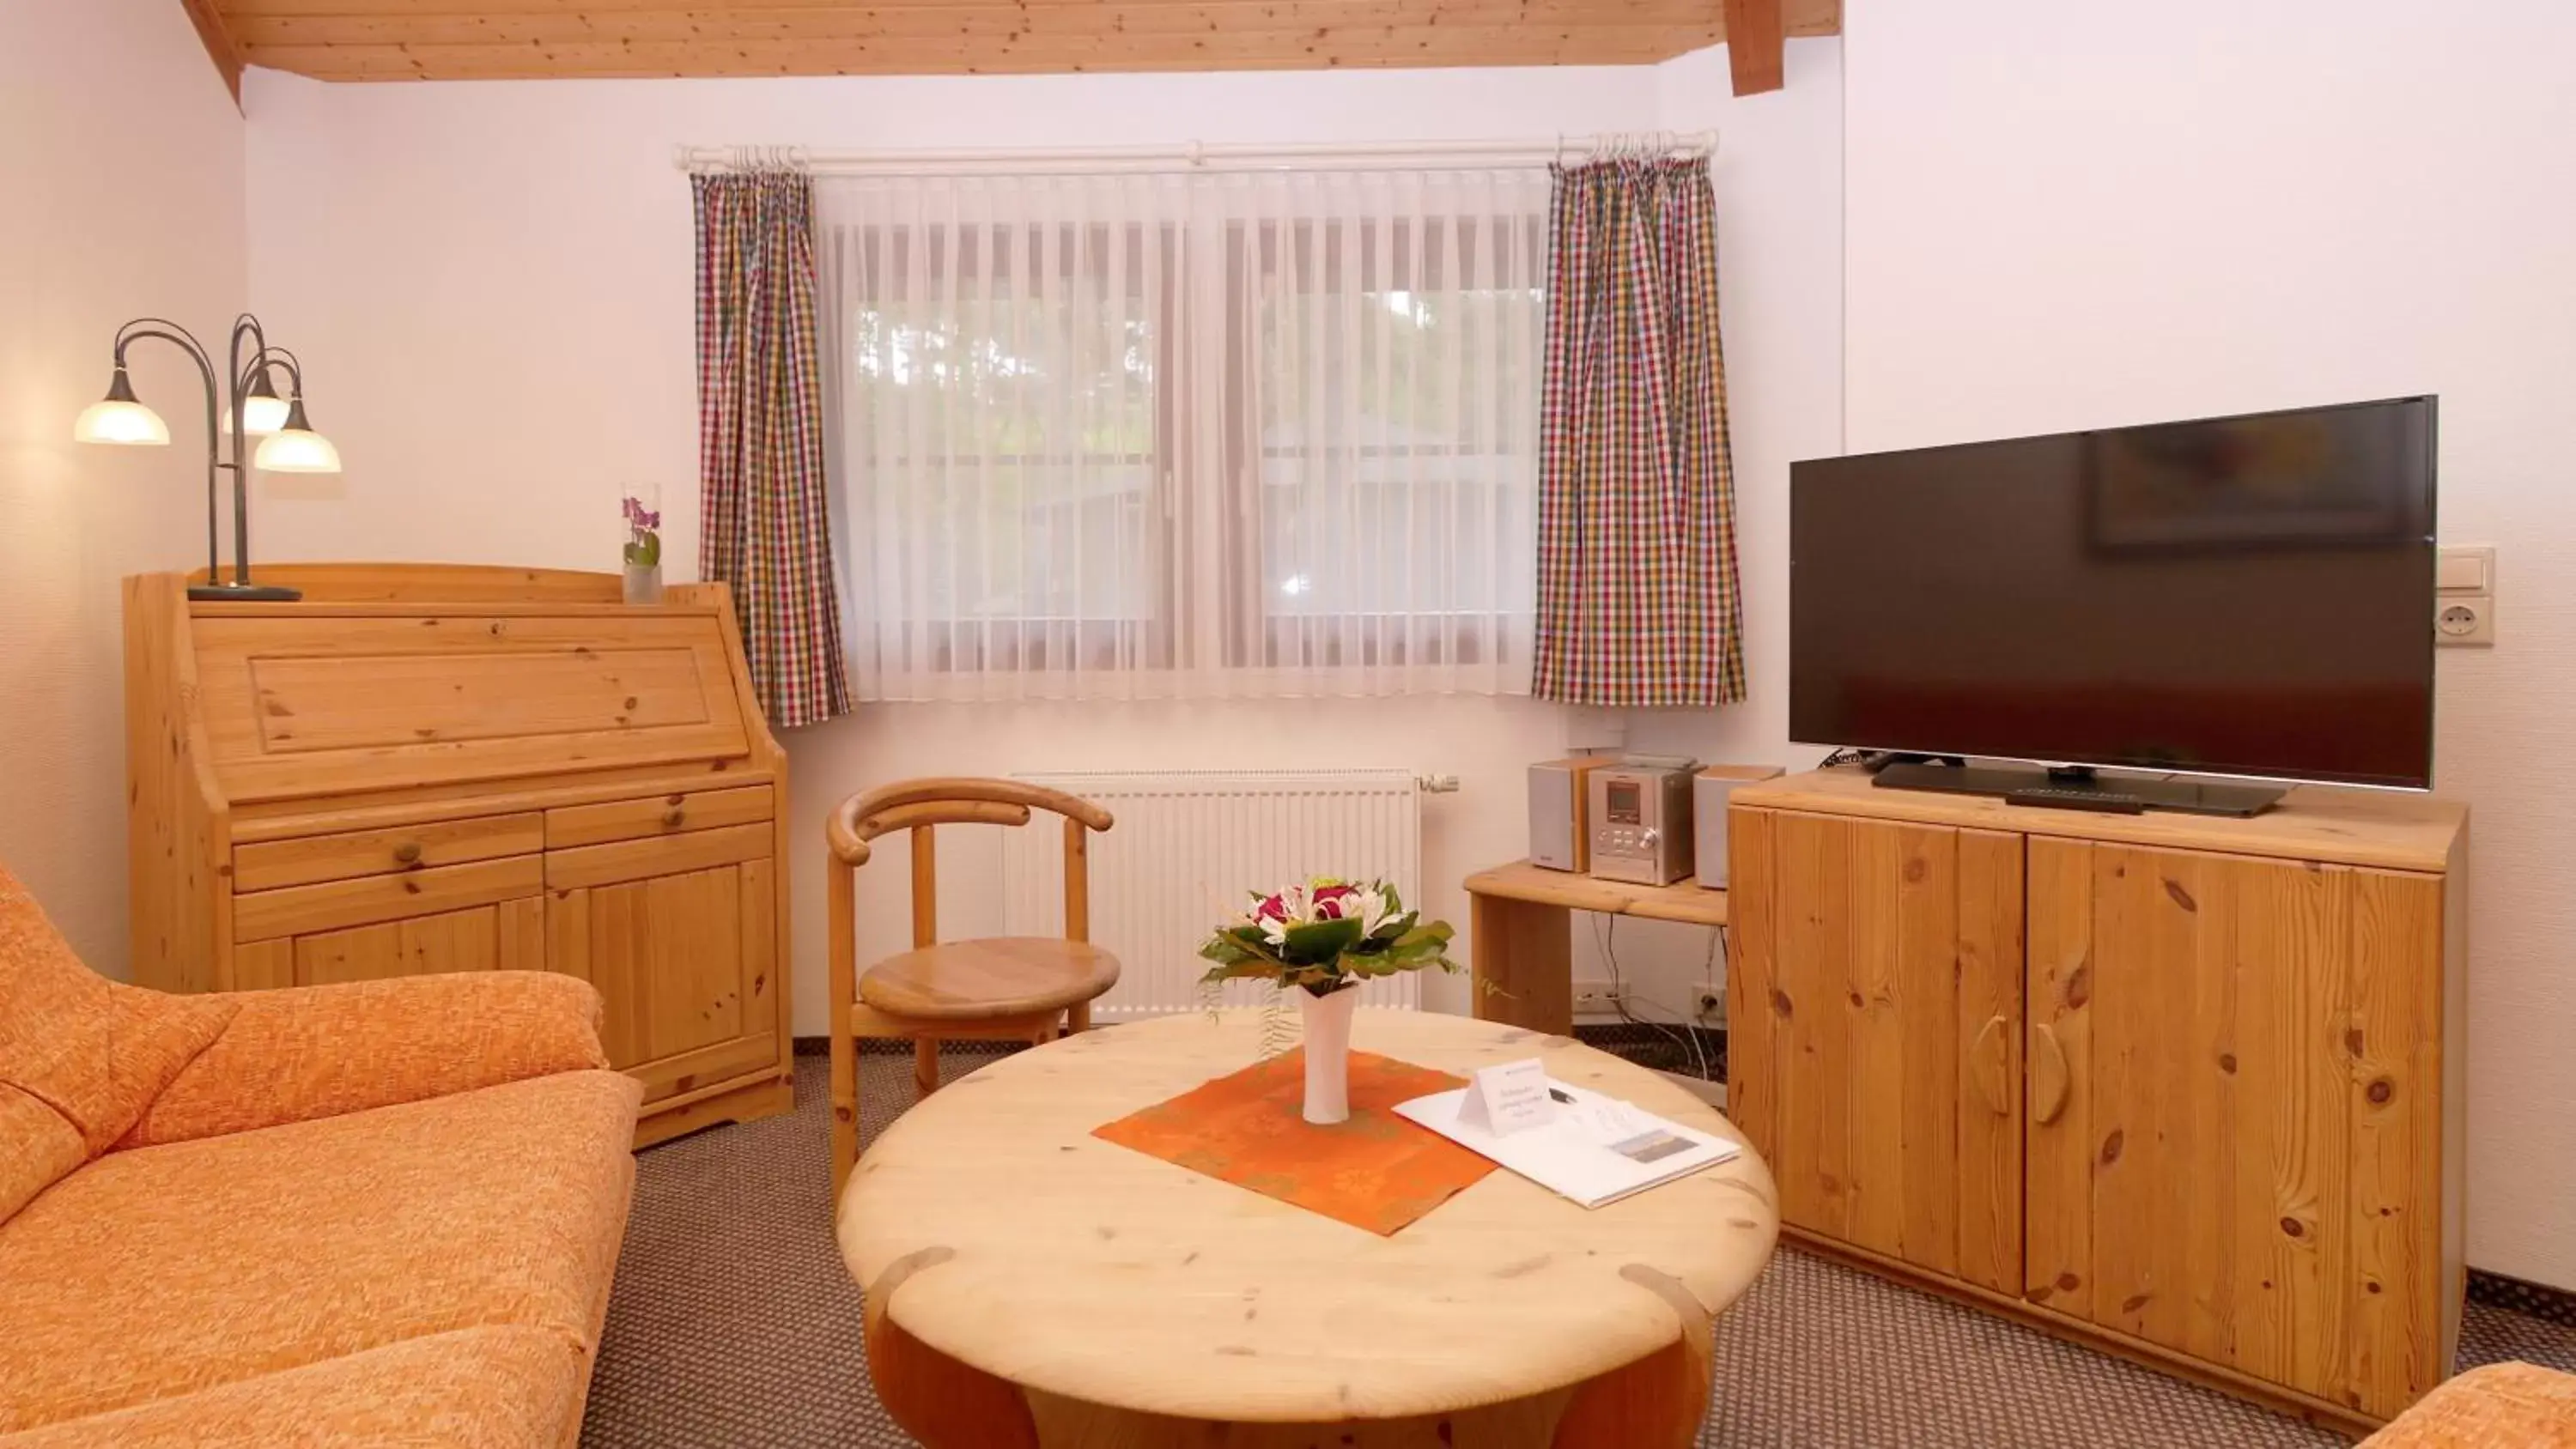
[1376, 1171]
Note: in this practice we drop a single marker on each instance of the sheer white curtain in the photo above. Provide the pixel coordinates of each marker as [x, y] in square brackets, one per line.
[1185, 434]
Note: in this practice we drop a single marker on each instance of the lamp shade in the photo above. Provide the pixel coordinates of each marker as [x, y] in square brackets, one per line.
[296, 448]
[263, 412]
[118, 418]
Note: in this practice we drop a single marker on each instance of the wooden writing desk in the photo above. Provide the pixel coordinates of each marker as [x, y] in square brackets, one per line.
[1522, 949]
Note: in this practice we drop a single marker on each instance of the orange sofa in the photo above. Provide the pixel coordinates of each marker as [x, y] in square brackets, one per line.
[382, 1212]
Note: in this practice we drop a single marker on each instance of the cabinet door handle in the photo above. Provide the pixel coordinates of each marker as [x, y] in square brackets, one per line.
[407, 853]
[1989, 1059]
[2048, 1082]
[672, 817]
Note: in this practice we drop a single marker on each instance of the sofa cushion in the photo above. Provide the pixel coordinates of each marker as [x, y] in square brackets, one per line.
[476, 1388]
[38, 1145]
[161, 1271]
[94, 1051]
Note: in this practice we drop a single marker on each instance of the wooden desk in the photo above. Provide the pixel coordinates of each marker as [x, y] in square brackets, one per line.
[1029, 1284]
[1522, 935]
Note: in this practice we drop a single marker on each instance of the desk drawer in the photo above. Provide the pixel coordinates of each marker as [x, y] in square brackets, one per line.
[680, 854]
[313, 859]
[655, 815]
[340, 904]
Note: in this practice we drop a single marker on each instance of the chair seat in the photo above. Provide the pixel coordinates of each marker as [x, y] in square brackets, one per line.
[979, 980]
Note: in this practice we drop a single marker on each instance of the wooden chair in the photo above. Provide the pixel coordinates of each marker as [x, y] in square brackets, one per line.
[1013, 988]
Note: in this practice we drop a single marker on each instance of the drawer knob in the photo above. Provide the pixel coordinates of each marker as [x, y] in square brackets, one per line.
[407, 853]
[672, 817]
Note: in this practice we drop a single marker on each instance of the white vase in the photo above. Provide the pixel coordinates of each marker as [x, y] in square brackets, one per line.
[1328, 1053]
[643, 583]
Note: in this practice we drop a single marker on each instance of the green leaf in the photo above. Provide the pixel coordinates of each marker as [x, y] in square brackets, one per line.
[1317, 942]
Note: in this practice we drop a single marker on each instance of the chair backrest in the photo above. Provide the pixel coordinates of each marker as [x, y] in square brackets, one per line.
[921, 806]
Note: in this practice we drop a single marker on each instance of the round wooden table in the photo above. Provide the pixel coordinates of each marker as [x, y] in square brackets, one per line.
[1029, 1284]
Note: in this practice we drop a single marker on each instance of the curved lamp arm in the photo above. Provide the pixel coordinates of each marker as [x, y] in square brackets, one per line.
[180, 337]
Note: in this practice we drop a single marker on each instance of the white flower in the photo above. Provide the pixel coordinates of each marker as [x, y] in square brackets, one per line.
[1374, 908]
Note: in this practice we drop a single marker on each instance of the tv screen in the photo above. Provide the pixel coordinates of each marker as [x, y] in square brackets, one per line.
[2243, 596]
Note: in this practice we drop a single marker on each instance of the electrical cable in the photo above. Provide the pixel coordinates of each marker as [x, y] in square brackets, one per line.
[1609, 944]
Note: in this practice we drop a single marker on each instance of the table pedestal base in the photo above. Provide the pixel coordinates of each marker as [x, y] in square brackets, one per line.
[1656, 1402]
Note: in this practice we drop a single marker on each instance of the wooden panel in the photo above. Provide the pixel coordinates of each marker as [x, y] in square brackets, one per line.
[385, 809]
[313, 858]
[655, 815]
[1988, 1038]
[1522, 881]
[262, 966]
[178, 906]
[688, 1000]
[521, 935]
[627, 860]
[453, 941]
[416, 583]
[381, 701]
[568, 936]
[2314, 822]
[2059, 1139]
[2397, 1353]
[351, 698]
[1755, 1004]
[336, 905]
[1521, 956]
[2230, 1063]
[1896, 972]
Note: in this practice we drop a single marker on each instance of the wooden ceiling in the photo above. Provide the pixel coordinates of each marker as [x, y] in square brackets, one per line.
[533, 39]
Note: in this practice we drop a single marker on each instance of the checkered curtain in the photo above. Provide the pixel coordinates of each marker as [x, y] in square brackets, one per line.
[760, 439]
[1637, 596]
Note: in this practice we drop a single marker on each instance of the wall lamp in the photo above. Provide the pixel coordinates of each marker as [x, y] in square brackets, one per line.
[287, 444]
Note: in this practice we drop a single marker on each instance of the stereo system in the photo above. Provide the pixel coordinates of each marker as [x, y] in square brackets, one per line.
[1709, 791]
[1639, 818]
[1558, 812]
[1641, 823]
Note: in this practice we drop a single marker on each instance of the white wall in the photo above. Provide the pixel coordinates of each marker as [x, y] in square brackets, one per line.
[123, 173]
[491, 286]
[2068, 215]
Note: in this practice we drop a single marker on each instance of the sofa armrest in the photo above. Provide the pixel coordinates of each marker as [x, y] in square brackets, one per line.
[318, 1051]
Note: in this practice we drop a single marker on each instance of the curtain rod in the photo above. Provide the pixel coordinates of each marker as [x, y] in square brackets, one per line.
[1196, 156]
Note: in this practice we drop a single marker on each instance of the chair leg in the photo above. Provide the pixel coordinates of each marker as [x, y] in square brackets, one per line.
[925, 1066]
[1077, 1018]
[845, 1107]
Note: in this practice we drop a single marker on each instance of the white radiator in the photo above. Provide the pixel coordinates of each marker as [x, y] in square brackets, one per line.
[1189, 846]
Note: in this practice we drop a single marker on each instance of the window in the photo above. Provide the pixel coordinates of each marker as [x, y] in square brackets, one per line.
[1144, 435]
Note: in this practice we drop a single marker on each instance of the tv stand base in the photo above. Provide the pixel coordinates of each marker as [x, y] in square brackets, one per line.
[2081, 789]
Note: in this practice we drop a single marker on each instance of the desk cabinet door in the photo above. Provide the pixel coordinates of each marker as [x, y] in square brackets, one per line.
[688, 966]
[2231, 1087]
[509, 936]
[1874, 1010]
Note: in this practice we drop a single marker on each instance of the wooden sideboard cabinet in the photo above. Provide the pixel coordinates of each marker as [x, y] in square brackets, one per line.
[425, 768]
[2187, 1089]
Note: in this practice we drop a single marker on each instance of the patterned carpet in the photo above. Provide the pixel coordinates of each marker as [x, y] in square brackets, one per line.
[733, 1323]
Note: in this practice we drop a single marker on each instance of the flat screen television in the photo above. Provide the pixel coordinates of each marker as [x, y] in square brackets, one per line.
[2239, 596]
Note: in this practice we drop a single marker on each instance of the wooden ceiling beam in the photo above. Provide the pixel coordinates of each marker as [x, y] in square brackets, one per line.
[1755, 52]
[955, 21]
[1377, 46]
[220, 49]
[535, 39]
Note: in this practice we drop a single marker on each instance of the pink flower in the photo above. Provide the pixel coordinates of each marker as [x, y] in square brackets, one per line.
[1272, 908]
[1333, 902]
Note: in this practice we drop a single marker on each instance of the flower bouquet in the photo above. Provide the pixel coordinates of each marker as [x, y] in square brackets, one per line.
[643, 553]
[1326, 936]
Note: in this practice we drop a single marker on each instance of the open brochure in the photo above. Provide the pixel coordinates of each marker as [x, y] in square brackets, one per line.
[1595, 1149]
